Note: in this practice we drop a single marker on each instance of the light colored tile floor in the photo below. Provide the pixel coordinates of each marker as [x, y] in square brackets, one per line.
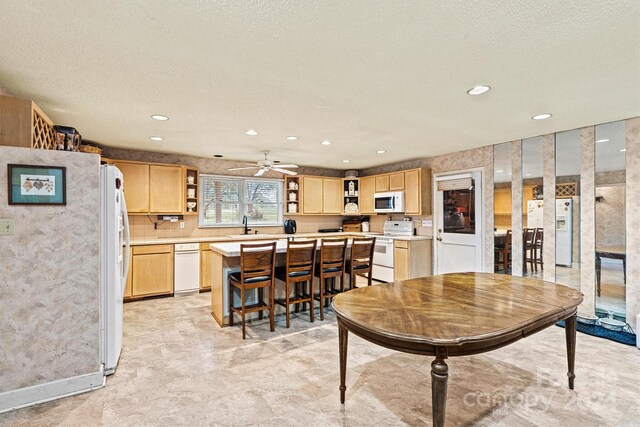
[178, 368]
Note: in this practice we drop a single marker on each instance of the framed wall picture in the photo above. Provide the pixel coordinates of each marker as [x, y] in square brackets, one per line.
[37, 185]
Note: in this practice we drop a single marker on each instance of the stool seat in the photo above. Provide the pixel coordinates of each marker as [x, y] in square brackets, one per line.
[282, 271]
[236, 277]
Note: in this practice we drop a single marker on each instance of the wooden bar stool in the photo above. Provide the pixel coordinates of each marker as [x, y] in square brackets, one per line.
[360, 261]
[502, 254]
[257, 269]
[528, 236]
[301, 259]
[331, 266]
[538, 246]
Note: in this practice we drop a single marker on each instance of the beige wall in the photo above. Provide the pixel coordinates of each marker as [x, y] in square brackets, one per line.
[49, 276]
[610, 216]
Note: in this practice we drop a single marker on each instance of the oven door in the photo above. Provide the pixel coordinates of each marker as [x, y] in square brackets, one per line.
[383, 252]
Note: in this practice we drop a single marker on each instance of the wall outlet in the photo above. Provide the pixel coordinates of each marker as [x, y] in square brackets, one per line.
[7, 227]
[427, 223]
[181, 224]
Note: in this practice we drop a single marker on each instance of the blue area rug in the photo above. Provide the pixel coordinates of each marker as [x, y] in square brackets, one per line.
[599, 331]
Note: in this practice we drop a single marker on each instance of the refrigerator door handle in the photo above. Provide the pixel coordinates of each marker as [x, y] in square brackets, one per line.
[127, 244]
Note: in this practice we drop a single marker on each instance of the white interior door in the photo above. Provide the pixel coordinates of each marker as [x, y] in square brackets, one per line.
[459, 243]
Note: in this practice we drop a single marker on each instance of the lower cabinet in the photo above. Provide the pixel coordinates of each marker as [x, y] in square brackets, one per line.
[152, 270]
[411, 259]
[205, 267]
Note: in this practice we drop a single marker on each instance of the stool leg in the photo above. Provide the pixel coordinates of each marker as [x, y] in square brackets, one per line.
[311, 313]
[272, 318]
[322, 285]
[288, 291]
[244, 328]
[260, 299]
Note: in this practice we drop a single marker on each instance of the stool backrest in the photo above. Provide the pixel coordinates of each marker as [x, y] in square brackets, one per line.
[362, 251]
[332, 253]
[528, 236]
[301, 256]
[257, 260]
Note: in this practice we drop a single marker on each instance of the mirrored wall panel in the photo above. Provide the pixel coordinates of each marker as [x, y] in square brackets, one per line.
[532, 207]
[568, 208]
[610, 233]
[502, 207]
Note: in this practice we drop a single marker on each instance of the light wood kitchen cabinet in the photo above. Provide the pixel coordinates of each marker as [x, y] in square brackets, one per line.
[312, 195]
[417, 192]
[166, 188]
[152, 270]
[136, 186]
[382, 183]
[128, 286]
[502, 201]
[396, 181]
[332, 195]
[411, 259]
[367, 190]
[205, 266]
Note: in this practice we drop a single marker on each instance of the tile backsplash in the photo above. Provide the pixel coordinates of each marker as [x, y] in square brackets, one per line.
[142, 227]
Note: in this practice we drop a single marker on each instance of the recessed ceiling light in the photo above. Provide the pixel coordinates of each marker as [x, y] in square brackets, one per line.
[159, 117]
[622, 150]
[252, 132]
[217, 155]
[541, 116]
[527, 174]
[292, 138]
[478, 90]
[499, 171]
[381, 151]
[156, 138]
[346, 161]
[603, 140]
[325, 142]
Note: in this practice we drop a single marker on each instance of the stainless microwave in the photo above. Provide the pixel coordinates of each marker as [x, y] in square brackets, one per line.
[392, 201]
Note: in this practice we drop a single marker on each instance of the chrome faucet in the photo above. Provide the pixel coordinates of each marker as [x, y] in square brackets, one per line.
[245, 222]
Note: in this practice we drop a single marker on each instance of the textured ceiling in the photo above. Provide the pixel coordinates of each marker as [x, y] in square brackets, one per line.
[367, 75]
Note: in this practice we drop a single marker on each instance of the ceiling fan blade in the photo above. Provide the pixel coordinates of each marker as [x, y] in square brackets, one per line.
[260, 172]
[286, 166]
[288, 172]
[240, 169]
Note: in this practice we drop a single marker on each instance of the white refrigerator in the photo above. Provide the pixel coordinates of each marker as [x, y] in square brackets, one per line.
[114, 263]
[564, 226]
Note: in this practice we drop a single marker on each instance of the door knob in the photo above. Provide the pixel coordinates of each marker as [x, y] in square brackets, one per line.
[439, 239]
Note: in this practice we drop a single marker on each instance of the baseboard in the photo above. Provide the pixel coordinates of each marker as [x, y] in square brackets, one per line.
[27, 396]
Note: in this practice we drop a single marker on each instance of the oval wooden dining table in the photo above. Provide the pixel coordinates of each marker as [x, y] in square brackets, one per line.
[455, 314]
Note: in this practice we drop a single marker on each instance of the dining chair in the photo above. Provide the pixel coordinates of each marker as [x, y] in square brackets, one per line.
[257, 271]
[298, 272]
[330, 267]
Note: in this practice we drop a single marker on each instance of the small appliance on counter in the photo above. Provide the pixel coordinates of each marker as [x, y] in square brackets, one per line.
[290, 226]
[329, 230]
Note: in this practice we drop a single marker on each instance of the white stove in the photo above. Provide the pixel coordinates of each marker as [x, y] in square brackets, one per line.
[383, 254]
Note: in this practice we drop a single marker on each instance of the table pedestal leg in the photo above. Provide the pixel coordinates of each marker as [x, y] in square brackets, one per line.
[439, 377]
[343, 338]
[570, 331]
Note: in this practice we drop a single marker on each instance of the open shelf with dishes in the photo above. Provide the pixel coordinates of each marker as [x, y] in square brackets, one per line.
[292, 189]
[191, 179]
[351, 205]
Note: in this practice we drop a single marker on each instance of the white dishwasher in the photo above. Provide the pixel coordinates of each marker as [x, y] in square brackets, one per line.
[186, 272]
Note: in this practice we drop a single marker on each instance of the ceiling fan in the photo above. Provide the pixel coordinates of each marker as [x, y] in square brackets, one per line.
[267, 165]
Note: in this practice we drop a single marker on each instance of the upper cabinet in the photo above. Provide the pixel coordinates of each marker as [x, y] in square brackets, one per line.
[321, 195]
[151, 188]
[382, 183]
[166, 189]
[396, 181]
[136, 186]
[312, 195]
[332, 195]
[367, 190]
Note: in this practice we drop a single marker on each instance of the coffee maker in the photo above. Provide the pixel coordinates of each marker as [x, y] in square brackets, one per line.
[290, 226]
